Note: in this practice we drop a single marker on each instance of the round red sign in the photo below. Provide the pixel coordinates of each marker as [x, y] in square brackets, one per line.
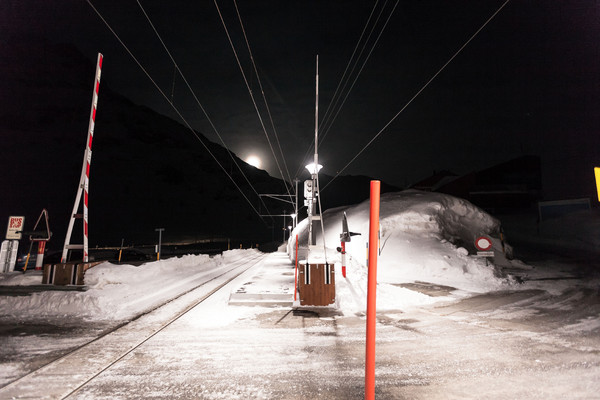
[483, 243]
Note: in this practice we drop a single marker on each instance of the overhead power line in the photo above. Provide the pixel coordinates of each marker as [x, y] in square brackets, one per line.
[332, 108]
[342, 79]
[200, 105]
[419, 92]
[174, 108]
[360, 71]
[251, 96]
[262, 92]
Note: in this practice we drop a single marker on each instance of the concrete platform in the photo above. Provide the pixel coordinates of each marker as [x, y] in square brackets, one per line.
[271, 286]
[261, 299]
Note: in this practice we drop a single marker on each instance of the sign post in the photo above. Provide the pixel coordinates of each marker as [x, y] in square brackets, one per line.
[14, 232]
[15, 227]
[160, 231]
[8, 255]
[484, 247]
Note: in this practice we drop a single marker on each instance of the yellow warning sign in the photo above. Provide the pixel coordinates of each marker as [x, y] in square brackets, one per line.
[597, 173]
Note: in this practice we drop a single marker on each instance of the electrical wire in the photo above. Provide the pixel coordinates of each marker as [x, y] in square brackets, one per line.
[262, 91]
[419, 92]
[174, 108]
[335, 94]
[200, 105]
[338, 92]
[358, 74]
[251, 95]
[330, 121]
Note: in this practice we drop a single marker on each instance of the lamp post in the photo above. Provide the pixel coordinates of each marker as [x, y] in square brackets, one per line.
[283, 229]
[160, 231]
[296, 180]
[313, 168]
[310, 188]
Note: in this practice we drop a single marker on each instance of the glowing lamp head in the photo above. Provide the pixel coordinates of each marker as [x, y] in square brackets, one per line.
[313, 168]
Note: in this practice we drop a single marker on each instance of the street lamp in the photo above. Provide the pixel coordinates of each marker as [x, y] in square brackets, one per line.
[293, 219]
[310, 188]
[313, 168]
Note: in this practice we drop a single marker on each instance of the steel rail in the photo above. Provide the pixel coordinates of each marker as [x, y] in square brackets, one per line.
[252, 261]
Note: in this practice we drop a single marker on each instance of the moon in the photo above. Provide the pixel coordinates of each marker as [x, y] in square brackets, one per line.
[254, 161]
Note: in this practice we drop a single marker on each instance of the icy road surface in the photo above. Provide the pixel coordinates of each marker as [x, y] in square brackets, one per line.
[530, 343]
[498, 346]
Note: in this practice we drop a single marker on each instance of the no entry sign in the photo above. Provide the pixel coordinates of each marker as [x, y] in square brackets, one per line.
[483, 243]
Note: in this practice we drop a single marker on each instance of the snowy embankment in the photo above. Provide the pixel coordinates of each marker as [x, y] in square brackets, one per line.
[117, 292]
[424, 236]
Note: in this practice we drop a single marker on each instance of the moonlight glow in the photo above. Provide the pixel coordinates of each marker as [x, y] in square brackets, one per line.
[254, 161]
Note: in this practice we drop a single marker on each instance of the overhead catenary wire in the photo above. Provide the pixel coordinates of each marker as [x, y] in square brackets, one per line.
[177, 69]
[359, 72]
[174, 107]
[418, 92]
[251, 95]
[262, 91]
[351, 62]
[337, 89]
[329, 123]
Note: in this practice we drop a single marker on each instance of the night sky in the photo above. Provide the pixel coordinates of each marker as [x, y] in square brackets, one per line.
[528, 83]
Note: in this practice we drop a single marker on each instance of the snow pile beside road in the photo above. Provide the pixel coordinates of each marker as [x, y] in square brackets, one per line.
[424, 237]
[116, 292]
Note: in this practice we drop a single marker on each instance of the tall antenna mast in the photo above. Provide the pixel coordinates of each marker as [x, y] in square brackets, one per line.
[316, 159]
[310, 186]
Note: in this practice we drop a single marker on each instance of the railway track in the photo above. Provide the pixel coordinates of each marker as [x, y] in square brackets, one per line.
[64, 377]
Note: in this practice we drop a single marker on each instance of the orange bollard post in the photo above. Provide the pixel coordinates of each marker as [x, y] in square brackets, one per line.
[372, 292]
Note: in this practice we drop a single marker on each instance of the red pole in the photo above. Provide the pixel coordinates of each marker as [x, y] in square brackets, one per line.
[40, 257]
[344, 259]
[296, 270]
[372, 292]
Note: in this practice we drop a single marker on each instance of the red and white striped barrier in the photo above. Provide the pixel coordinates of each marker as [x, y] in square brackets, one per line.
[39, 261]
[344, 259]
[89, 156]
[84, 181]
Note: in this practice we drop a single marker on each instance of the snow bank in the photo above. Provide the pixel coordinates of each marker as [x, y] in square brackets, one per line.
[424, 237]
[116, 292]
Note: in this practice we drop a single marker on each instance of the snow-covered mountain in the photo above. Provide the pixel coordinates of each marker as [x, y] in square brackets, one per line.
[147, 170]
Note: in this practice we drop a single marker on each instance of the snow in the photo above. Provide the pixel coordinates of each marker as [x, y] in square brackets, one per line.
[117, 292]
[423, 237]
[252, 351]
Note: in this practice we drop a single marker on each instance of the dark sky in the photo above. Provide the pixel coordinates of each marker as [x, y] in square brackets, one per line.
[527, 84]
